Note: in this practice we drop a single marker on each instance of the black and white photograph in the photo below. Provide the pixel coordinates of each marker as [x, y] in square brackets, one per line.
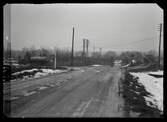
[83, 60]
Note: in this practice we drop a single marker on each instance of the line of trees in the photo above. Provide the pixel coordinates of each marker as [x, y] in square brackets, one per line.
[64, 54]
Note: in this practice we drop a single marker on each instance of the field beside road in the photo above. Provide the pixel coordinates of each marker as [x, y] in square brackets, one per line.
[82, 92]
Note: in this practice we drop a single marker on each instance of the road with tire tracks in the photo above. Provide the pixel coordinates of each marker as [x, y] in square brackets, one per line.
[85, 92]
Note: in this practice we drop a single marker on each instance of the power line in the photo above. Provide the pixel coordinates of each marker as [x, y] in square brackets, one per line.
[130, 42]
[133, 42]
[132, 48]
[125, 43]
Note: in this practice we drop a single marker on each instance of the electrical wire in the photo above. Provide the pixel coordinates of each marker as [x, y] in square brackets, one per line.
[132, 42]
[124, 43]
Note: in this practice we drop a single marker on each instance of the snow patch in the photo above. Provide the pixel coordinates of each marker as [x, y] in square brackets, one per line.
[27, 94]
[96, 65]
[156, 73]
[31, 70]
[51, 71]
[153, 101]
[13, 98]
[154, 86]
[118, 61]
[137, 92]
[38, 73]
[98, 71]
[126, 65]
[52, 85]
[133, 61]
[42, 87]
[134, 97]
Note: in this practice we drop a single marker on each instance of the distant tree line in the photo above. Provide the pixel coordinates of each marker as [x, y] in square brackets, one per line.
[42, 55]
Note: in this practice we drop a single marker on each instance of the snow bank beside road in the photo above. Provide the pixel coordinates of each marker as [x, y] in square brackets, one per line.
[34, 72]
[51, 71]
[96, 65]
[157, 73]
[47, 72]
[31, 70]
[154, 86]
[126, 65]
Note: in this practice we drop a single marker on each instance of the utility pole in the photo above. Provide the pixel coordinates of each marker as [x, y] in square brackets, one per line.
[7, 31]
[83, 48]
[100, 51]
[87, 47]
[72, 48]
[84, 55]
[159, 45]
[94, 51]
[87, 41]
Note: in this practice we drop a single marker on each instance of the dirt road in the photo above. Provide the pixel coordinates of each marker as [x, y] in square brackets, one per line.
[84, 92]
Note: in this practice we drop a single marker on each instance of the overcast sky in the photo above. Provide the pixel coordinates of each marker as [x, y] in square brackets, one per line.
[105, 25]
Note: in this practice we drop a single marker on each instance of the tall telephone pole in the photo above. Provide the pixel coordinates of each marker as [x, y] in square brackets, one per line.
[72, 48]
[159, 45]
[87, 43]
[7, 31]
[100, 52]
[83, 53]
[94, 51]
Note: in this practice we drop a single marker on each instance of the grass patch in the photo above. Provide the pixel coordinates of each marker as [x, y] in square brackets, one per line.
[133, 94]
